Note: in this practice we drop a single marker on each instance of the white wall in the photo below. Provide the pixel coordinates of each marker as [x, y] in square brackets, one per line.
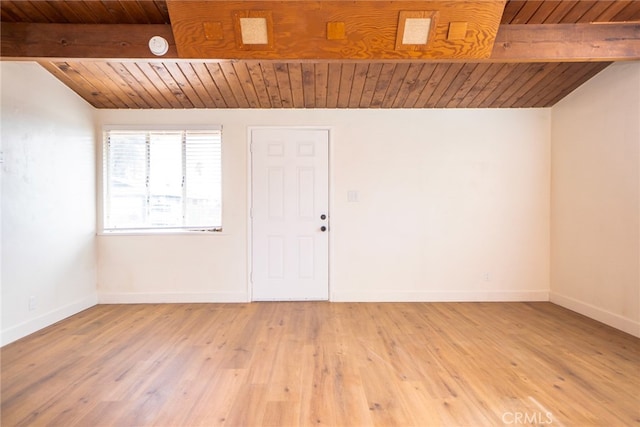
[595, 198]
[48, 201]
[454, 205]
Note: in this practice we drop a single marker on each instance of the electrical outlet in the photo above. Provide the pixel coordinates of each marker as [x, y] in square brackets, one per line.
[33, 303]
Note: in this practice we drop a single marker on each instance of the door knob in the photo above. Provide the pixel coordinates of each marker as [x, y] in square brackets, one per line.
[323, 228]
[323, 216]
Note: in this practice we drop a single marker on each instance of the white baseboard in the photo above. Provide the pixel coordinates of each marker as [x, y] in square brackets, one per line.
[171, 297]
[23, 329]
[614, 320]
[439, 296]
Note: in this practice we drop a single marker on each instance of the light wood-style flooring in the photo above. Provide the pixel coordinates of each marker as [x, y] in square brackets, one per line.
[318, 363]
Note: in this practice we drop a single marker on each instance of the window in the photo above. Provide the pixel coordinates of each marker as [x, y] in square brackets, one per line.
[162, 180]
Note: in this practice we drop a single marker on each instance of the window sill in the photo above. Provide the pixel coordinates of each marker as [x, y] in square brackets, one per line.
[159, 232]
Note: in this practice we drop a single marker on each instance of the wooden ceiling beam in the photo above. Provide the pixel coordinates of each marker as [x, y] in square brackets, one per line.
[567, 42]
[514, 43]
[99, 41]
[339, 30]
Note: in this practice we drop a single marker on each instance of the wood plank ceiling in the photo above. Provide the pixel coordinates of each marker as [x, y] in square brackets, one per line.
[176, 83]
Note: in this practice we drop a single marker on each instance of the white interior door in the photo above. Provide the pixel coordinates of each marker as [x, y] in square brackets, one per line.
[290, 214]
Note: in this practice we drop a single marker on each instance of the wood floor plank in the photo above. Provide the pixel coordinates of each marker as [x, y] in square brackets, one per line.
[321, 363]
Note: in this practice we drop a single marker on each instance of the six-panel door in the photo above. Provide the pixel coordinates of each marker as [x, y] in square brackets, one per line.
[290, 217]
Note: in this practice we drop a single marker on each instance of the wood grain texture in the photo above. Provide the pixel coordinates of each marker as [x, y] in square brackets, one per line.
[156, 11]
[319, 84]
[569, 11]
[513, 43]
[295, 364]
[568, 42]
[27, 40]
[99, 49]
[300, 29]
[86, 11]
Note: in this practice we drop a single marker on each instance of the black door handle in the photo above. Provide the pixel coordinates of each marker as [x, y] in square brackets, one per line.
[323, 228]
[323, 216]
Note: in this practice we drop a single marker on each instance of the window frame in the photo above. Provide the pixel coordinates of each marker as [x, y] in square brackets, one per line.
[102, 189]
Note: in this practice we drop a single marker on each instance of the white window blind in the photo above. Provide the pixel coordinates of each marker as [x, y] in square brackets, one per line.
[162, 180]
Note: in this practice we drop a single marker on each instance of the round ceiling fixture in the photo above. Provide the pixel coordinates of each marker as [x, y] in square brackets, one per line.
[158, 45]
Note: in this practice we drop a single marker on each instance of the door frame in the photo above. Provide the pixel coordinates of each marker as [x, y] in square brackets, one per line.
[330, 136]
